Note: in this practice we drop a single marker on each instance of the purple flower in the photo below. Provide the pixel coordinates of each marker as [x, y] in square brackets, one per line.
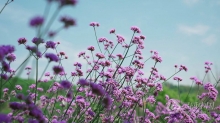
[69, 95]
[107, 101]
[16, 106]
[135, 29]
[50, 44]
[22, 41]
[39, 54]
[177, 78]
[52, 57]
[57, 69]
[151, 99]
[36, 21]
[4, 118]
[83, 82]
[5, 66]
[94, 24]
[51, 34]
[66, 84]
[91, 48]
[112, 31]
[203, 117]
[11, 57]
[37, 41]
[4, 50]
[68, 21]
[32, 48]
[35, 112]
[20, 96]
[32, 121]
[67, 2]
[18, 87]
[4, 76]
[97, 89]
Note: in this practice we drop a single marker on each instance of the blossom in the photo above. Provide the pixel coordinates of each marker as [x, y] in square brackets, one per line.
[177, 78]
[97, 89]
[112, 31]
[91, 48]
[142, 37]
[68, 21]
[100, 55]
[107, 101]
[52, 57]
[18, 87]
[182, 67]
[36, 21]
[16, 106]
[50, 44]
[57, 69]
[5, 118]
[65, 84]
[11, 57]
[203, 117]
[120, 39]
[67, 2]
[151, 99]
[5, 50]
[22, 41]
[94, 24]
[4, 76]
[135, 29]
[37, 41]
[5, 66]
[28, 68]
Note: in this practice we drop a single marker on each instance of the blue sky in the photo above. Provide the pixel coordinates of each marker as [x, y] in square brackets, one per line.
[183, 32]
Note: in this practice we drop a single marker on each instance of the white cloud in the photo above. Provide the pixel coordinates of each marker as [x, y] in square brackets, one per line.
[195, 30]
[190, 2]
[211, 39]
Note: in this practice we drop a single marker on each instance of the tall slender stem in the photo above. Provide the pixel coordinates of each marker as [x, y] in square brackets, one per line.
[97, 40]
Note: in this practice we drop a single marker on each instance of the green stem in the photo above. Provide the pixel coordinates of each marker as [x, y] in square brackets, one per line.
[97, 40]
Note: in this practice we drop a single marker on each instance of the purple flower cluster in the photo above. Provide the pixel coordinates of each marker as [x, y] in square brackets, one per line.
[68, 21]
[51, 57]
[5, 50]
[114, 89]
[36, 21]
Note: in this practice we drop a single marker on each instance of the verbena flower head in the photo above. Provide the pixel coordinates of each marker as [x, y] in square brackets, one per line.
[68, 21]
[177, 79]
[83, 82]
[67, 2]
[4, 118]
[52, 57]
[37, 41]
[5, 66]
[97, 89]
[4, 76]
[65, 84]
[5, 50]
[135, 29]
[11, 57]
[112, 31]
[50, 44]
[36, 21]
[22, 41]
[91, 48]
[94, 24]
[57, 69]
[107, 101]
